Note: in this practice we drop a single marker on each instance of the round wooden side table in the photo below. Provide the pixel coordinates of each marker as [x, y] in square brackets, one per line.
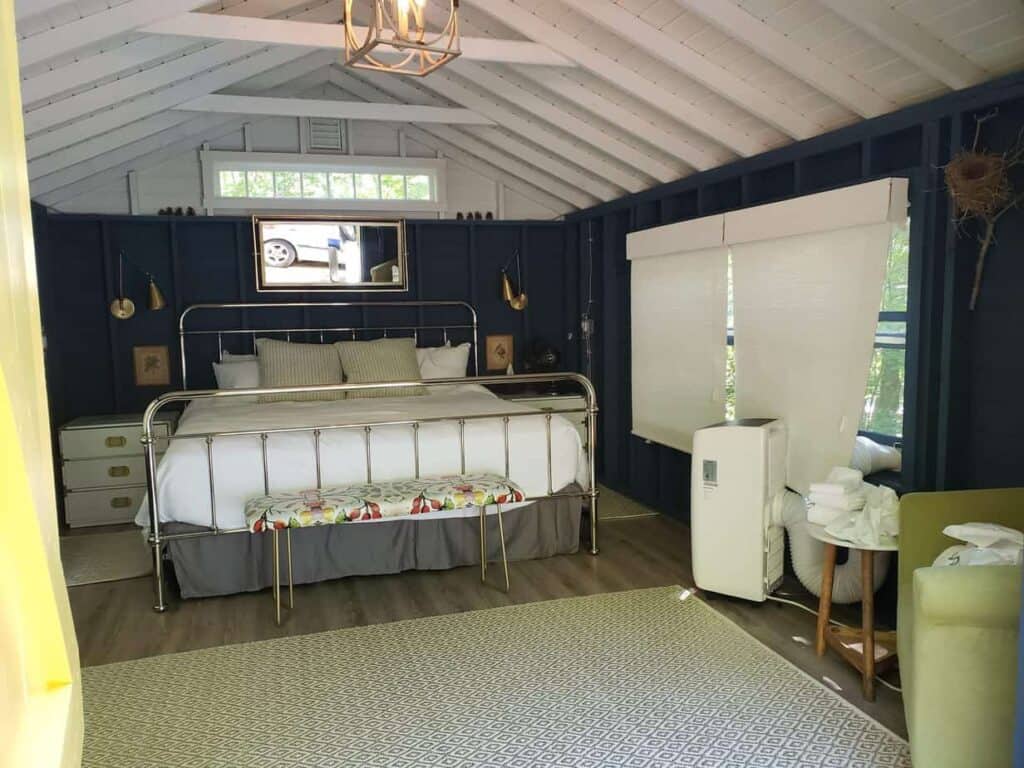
[870, 652]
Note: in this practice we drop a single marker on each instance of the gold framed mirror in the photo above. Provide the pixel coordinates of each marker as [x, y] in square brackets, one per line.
[324, 253]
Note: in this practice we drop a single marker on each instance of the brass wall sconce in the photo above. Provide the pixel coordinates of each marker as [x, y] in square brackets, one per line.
[517, 301]
[123, 307]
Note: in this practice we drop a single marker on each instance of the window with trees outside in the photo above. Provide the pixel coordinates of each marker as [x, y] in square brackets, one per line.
[314, 184]
[265, 181]
[883, 400]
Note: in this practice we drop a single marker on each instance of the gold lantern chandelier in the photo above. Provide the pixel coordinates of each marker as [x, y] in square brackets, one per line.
[400, 39]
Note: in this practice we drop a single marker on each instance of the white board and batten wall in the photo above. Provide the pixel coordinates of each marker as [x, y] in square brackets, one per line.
[807, 286]
[178, 180]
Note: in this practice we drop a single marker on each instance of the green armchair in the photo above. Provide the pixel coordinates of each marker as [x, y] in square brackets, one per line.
[957, 631]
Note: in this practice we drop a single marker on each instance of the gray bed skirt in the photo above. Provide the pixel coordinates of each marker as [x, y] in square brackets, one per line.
[239, 562]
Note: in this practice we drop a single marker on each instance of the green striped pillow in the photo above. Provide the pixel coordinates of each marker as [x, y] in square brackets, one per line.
[378, 361]
[285, 364]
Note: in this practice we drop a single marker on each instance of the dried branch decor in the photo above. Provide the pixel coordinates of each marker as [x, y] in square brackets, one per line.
[979, 186]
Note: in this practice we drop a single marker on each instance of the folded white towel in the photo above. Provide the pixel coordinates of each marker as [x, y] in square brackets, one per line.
[848, 502]
[841, 479]
[833, 489]
[820, 514]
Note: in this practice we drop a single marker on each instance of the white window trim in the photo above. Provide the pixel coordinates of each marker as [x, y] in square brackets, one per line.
[213, 161]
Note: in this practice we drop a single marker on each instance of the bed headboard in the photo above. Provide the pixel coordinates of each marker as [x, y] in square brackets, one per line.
[239, 324]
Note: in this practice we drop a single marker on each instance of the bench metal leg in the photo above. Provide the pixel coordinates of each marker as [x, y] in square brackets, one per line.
[277, 577]
[504, 555]
[483, 544]
[291, 583]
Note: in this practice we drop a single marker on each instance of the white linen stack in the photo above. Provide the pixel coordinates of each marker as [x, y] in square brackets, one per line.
[841, 493]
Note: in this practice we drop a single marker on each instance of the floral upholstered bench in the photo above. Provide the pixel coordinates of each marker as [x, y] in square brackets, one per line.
[376, 501]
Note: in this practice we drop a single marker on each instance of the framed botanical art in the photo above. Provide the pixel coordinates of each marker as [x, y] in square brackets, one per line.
[152, 366]
[500, 351]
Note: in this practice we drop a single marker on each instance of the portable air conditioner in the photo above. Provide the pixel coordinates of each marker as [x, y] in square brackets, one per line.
[737, 488]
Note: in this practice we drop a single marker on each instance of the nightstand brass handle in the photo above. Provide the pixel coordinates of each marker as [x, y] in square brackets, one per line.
[117, 442]
[121, 471]
[120, 502]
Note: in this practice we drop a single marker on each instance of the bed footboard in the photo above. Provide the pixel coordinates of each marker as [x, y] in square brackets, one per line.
[158, 538]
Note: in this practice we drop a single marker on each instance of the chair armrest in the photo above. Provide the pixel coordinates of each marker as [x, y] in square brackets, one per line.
[924, 515]
[983, 596]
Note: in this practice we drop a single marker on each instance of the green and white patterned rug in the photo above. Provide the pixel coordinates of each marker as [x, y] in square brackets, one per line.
[635, 678]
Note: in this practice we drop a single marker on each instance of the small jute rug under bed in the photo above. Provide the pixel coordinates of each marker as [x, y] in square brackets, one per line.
[636, 678]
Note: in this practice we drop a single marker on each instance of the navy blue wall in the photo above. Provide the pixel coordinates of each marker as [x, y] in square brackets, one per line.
[89, 353]
[965, 370]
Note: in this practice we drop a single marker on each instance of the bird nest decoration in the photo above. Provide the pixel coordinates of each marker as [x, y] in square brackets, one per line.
[979, 187]
[978, 183]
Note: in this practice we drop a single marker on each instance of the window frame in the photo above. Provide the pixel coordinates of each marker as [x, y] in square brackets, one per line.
[212, 162]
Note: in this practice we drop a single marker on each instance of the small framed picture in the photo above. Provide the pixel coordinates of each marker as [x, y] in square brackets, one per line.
[152, 366]
[500, 351]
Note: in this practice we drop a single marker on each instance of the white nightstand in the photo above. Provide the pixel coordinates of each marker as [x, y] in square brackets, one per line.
[550, 402]
[103, 467]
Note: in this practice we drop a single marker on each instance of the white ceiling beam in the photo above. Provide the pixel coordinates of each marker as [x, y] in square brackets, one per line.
[729, 17]
[510, 90]
[131, 86]
[110, 22]
[667, 49]
[88, 69]
[111, 60]
[189, 130]
[494, 173]
[513, 166]
[111, 140]
[199, 62]
[441, 83]
[545, 176]
[25, 8]
[138, 164]
[276, 59]
[523, 150]
[668, 140]
[532, 26]
[345, 110]
[284, 80]
[910, 40]
[106, 142]
[332, 37]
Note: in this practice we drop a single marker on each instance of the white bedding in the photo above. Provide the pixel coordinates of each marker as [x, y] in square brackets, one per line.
[183, 477]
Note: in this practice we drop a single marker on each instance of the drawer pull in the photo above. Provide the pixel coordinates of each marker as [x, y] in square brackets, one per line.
[118, 441]
[121, 471]
[120, 502]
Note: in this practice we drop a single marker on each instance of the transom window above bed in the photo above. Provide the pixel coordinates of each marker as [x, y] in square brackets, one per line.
[260, 180]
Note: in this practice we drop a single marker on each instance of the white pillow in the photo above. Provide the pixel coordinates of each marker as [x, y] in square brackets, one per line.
[237, 374]
[230, 357]
[445, 362]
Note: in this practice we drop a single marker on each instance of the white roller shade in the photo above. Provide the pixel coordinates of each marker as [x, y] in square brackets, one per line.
[806, 308]
[678, 321]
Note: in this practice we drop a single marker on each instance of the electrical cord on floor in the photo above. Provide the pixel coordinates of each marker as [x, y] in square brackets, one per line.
[813, 612]
[803, 607]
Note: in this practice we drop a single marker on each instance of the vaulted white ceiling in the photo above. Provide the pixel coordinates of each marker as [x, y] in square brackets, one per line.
[574, 101]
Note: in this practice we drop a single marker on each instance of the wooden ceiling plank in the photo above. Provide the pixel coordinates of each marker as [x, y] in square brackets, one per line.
[540, 31]
[117, 20]
[654, 42]
[345, 110]
[732, 19]
[331, 36]
[911, 41]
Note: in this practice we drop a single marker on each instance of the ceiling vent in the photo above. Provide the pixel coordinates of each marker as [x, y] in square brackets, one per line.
[326, 134]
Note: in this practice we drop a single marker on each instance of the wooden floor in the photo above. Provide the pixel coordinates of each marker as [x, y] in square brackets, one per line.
[115, 621]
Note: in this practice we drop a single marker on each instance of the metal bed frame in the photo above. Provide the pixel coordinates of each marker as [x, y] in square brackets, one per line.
[157, 538]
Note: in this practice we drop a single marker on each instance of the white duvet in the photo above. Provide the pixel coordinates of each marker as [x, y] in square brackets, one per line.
[183, 484]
